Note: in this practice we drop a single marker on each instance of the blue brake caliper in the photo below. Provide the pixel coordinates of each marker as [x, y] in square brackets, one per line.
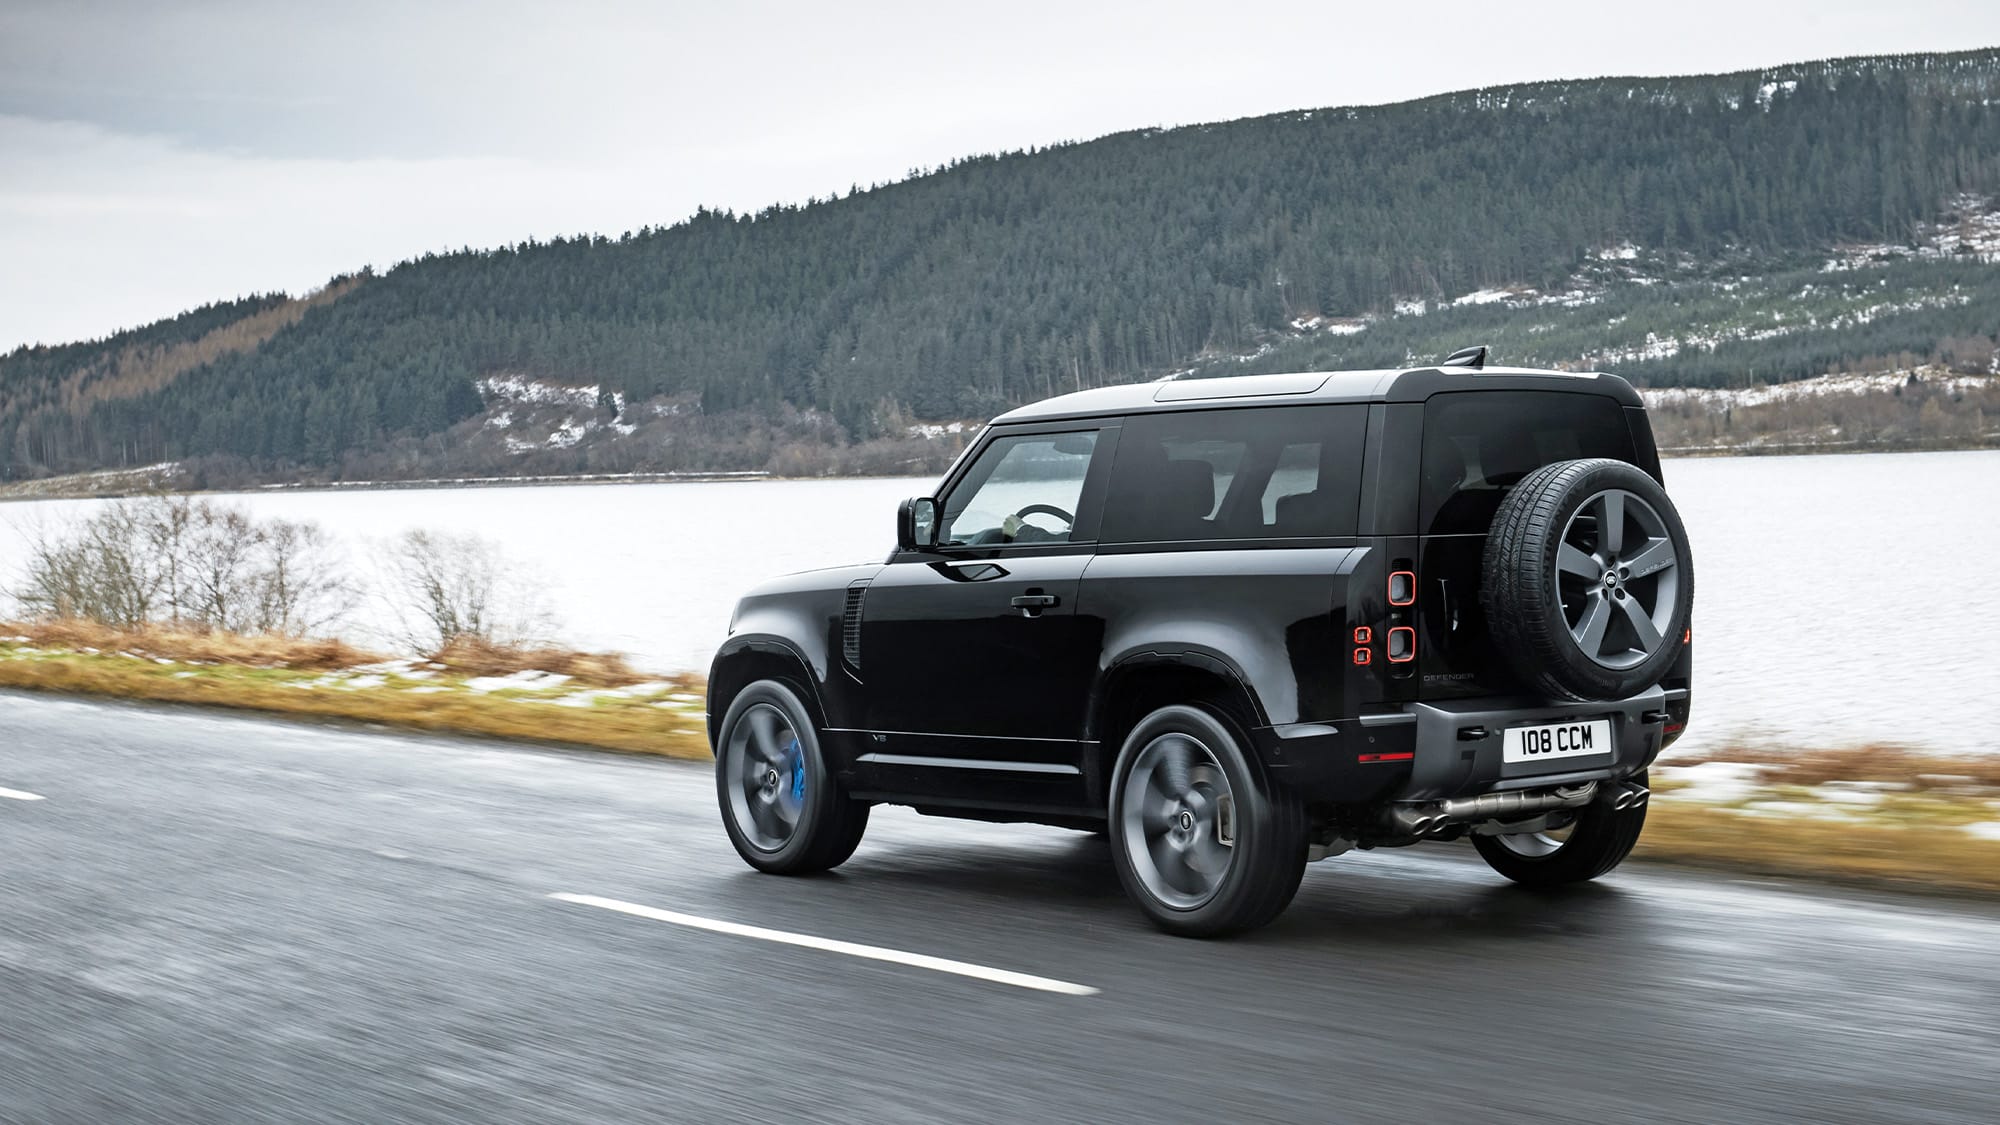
[795, 755]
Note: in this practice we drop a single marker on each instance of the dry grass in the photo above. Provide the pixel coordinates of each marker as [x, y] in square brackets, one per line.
[1786, 765]
[303, 677]
[474, 657]
[1911, 836]
[1913, 841]
[1940, 857]
[302, 653]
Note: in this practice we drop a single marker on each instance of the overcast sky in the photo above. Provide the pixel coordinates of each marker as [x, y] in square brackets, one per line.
[159, 154]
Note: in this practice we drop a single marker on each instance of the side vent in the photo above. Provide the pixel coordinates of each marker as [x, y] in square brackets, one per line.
[850, 625]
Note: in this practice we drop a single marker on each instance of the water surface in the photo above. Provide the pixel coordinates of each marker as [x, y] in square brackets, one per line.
[1839, 599]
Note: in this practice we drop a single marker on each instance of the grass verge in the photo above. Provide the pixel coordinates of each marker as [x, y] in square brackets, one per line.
[1901, 857]
[1882, 815]
[598, 702]
[1877, 815]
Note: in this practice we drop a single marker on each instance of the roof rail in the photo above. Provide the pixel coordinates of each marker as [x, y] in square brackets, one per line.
[1473, 357]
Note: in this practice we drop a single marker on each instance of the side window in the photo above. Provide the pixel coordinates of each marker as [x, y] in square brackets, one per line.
[1297, 474]
[1022, 489]
[1479, 444]
[1260, 473]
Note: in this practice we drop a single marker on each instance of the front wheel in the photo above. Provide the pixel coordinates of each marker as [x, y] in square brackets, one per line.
[1202, 841]
[1598, 840]
[781, 807]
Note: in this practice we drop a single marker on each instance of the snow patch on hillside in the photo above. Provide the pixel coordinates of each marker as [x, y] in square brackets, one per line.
[933, 430]
[1770, 90]
[1665, 347]
[1719, 398]
[1969, 231]
[536, 392]
[531, 414]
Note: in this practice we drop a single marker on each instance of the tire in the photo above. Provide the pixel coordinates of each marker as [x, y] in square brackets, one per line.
[1235, 844]
[1587, 580]
[799, 824]
[1600, 840]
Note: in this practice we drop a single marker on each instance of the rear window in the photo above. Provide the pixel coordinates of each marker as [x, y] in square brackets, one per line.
[1479, 444]
[1263, 473]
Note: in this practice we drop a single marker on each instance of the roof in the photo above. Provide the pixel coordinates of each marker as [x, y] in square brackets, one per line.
[1414, 384]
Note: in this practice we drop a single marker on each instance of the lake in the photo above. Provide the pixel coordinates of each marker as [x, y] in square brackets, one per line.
[1839, 599]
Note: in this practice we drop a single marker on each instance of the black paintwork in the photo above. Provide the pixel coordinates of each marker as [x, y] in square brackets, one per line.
[936, 691]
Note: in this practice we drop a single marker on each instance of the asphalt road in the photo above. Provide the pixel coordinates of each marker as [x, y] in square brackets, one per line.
[216, 919]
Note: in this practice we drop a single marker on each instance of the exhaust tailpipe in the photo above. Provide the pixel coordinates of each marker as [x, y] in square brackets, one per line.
[1422, 820]
[1506, 806]
[1631, 796]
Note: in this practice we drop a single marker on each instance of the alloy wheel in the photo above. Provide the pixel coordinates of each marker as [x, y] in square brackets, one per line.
[1618, 576]
[766, 770]
[1179, 820]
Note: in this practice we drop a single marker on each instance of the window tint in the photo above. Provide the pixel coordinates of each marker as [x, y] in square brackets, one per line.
[1021, 490]
[1479, 444]
[1264, 473]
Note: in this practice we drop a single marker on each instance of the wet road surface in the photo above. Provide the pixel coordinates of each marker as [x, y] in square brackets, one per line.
[208, 918]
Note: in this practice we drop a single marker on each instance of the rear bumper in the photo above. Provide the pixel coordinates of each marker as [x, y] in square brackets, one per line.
[1452, 748]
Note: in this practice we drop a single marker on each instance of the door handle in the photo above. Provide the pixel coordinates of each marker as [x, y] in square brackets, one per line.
[1032, 604]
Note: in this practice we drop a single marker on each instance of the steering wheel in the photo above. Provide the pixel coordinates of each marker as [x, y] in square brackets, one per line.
[1046, 510]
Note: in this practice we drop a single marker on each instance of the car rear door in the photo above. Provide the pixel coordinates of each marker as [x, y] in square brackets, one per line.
[1477, 445]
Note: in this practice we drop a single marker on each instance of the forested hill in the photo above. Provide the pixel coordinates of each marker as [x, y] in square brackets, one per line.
[1570, 215]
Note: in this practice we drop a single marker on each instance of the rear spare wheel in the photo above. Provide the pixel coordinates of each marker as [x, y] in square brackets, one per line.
[1587, 580]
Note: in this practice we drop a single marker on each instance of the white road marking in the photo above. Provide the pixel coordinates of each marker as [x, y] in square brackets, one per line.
[851, 949]
[17, 795]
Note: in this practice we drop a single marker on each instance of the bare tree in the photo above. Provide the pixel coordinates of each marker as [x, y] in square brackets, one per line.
[192, 565]
[166, 536]
[450, 587]
[300, 588]
[105, 571]
[219, 560]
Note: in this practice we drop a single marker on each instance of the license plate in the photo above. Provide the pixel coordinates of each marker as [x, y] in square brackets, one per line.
[1557, 740]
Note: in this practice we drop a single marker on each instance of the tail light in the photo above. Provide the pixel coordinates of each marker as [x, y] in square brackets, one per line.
[1403, 588]
[1402, 644]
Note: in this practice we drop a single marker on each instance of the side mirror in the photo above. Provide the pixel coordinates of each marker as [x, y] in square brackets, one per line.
[917, 524]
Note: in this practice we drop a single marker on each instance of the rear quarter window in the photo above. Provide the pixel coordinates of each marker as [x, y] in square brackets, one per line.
[1479, 444]
[1286, 472]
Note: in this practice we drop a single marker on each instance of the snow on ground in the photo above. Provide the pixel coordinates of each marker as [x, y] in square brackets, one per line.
[570, 432]
[1655, 347]
[1716, 398]
[1663, 347]
[1721, 783]
[529, 680]
[1974, 233]
[1770, 90]
[935, 430]
[537, 392]
[533, 414]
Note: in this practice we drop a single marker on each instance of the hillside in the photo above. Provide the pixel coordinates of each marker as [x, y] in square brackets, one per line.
[1712, 231]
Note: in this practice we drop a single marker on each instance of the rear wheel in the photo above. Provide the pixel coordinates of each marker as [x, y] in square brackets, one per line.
[1598, 840]
[1203, 842]
[781, 807]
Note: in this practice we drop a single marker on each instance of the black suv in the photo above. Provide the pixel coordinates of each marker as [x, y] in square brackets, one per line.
[1238, 624]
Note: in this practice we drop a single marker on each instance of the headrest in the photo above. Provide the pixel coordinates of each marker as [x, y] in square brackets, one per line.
[1187, 489]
